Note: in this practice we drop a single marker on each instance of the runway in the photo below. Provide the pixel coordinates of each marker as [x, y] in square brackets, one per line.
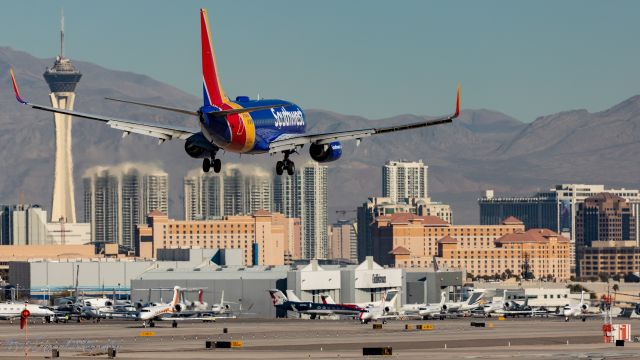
[320, 339]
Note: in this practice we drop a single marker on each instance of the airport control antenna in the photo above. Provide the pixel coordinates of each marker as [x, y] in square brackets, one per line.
[62, 33]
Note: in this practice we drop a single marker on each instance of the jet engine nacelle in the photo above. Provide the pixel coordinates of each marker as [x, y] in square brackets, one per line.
[178, 307]
[198, 147]
[326, 152]
[584, 307]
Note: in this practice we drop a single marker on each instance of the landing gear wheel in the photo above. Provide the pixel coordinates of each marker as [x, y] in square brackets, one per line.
[206, 165]
[217, 165]
[291, 168]
[285, 164]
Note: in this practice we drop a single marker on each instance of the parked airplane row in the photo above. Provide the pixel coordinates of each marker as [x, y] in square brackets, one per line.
[178, 310]
[182, 309]
[582, 310]
[475, 305]
[383, 310]
[97, 308]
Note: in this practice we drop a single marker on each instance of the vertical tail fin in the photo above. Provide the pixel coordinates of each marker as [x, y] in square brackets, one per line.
[327, 299]
[200, 296]
[390, 296]
[176, 296]
[212, 91]
[222, 299]
[292, 296]
[277, 297]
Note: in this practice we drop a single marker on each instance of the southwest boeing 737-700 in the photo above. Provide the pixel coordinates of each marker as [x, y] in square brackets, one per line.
[242, 126]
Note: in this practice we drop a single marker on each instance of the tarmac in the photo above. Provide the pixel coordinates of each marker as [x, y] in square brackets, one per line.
[538, 338]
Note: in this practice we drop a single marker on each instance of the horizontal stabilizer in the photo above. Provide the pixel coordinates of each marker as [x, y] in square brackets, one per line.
[245, 110]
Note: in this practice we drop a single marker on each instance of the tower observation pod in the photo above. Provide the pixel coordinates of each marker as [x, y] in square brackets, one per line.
[62, 78]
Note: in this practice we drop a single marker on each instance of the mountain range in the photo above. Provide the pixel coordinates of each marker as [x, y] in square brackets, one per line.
[483, 149]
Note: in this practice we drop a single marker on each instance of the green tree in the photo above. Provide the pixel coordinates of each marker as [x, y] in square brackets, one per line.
[509, 273]
[576, 288]
[470, 276]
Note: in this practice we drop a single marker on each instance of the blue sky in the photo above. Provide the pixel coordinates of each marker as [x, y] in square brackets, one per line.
[370, 58]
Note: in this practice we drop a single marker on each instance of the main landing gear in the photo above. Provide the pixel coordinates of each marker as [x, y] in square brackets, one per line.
[207, 164]
[285, 164]
[151, 323]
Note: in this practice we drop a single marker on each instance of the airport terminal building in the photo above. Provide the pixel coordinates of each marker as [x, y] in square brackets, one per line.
[246, 288]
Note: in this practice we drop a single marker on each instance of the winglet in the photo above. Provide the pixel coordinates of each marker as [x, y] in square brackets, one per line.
[15, 87]
[457, 103]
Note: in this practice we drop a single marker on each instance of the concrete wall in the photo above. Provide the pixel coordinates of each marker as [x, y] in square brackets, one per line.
[20, 274]
[92, 274]
[425, 286]
[451, 281]
[310, 285]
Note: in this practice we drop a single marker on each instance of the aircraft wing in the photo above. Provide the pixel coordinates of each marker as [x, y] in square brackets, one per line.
[520, 312]
[396, 316]
[160, 131]
[294, 142]
[192, 318]
[587, 314]
[405, 316]
[332, 312]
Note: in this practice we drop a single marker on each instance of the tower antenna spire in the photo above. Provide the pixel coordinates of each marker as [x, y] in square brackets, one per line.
[62, 33]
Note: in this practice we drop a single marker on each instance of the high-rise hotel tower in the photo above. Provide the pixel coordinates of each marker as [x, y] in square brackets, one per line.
[62, 78]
